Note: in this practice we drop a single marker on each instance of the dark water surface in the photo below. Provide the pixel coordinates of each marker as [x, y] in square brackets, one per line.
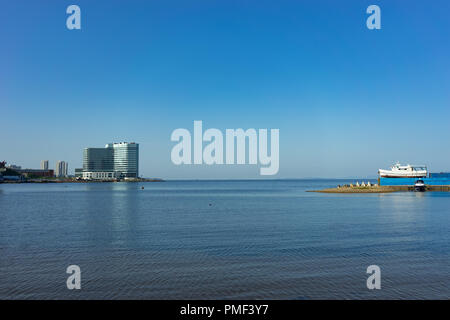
[221, 240]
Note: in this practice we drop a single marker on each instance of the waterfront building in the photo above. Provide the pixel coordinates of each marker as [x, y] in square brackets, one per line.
[78, 173]
[114, 161]
[98, 159]
[36, 173]
[100, 175]
[126, 159]
[44, 165]
[61, 169]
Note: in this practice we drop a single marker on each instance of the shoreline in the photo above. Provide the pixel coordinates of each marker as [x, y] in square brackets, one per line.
[81, 181]
[380, 189]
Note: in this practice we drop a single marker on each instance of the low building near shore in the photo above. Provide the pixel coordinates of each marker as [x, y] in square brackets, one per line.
[78, 173]
[36, 173]
[100, 175]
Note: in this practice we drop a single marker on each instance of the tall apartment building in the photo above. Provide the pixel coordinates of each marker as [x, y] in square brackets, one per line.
[61, 169]
[44, 165]
[126, 159]
[115, 160]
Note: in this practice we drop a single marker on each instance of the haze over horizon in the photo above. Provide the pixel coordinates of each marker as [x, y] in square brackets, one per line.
[347, 100]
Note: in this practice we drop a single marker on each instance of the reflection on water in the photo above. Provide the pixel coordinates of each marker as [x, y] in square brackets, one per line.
[404, 206]
[221, 239]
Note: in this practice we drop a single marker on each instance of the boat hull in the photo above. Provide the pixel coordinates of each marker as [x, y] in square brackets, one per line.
[405, 176]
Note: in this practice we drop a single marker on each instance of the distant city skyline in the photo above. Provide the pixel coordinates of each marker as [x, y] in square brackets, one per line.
[61, 169]
[44, 164]
[346, 100]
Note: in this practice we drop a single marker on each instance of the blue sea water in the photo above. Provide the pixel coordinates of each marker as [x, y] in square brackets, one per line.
[260, 239]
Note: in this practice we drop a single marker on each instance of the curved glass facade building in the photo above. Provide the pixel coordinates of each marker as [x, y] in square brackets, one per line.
[98, 159]
[126, 159]
[116, 160]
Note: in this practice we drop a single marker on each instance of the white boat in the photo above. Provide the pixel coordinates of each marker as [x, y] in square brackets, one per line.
[408, 171]
[420, 186]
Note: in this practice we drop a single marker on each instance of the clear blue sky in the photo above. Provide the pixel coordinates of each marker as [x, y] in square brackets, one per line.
[347, 100]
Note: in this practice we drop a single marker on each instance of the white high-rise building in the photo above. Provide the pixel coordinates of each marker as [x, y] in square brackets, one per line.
[126, 159]
[61, 169]
[44, 165]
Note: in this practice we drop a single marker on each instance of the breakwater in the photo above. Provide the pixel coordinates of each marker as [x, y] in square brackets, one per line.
[379, 189]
